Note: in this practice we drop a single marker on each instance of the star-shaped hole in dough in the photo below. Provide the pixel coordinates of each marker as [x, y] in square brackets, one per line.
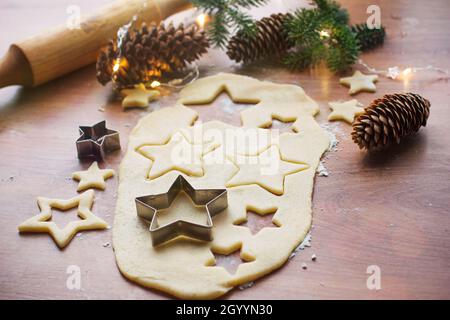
[139, 96]
[282, 126]
[62, 237]
[256, 221]
[177, 154]
[223, 107]
[360, 82]
[266, 169]
[93, 177]
[230, 261]
[345, 110]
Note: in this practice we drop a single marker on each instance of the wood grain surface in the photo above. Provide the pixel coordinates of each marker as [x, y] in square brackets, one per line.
[389, 209]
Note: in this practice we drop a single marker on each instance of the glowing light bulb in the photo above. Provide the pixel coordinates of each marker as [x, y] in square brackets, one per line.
[116, 66]
[201, 20]
[324, 34]
[155, 84]
[406, 72]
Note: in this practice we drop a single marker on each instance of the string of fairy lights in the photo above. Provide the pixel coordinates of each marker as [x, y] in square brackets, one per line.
[397, 73]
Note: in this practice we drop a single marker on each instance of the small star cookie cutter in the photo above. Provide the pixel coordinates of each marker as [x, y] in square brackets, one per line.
[214, 200]
[97, 140]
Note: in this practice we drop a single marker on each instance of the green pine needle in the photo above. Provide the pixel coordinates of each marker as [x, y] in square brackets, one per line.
[321, 34]
[333, 10]
[227, 17]
[368, 38]
[244, 22]
[247, 4]
[218, 32]
[343, 49]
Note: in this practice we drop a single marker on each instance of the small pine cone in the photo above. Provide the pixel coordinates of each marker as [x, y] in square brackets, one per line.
[270, 39]
[105, 63]
[150, 53]
[390, 118]
[368, 38]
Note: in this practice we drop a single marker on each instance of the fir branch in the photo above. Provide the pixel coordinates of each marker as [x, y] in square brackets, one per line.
[227, 17]
[321, 34]
[343, 49]
[303, 27]
[368, 38]
[333, 10]
[244, 22]
[247, 4]
[302, 58]
[218, 31]
[209, 6]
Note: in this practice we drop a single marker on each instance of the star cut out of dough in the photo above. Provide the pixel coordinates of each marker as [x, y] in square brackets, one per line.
[177, 154]
[360, 82]
[282, 126]
[62, 237]
[230, 261]
[256, 221]
[138, 96]
[225, 108]
[345, 111]
[93, 177]
[260, 170]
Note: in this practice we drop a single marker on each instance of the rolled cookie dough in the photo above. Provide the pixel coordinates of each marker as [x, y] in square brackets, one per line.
[186, 268]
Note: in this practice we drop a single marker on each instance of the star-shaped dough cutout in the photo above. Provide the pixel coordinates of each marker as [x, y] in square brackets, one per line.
[177, 154]
[360, 82]
[345, 110]
[94, 177]
[266, 169]
[62, 237]
[138, 96]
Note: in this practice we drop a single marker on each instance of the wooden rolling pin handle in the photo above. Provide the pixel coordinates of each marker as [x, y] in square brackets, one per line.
[15, 68]
[63, 50]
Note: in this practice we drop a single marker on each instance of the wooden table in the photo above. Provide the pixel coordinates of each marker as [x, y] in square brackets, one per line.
[390, 209]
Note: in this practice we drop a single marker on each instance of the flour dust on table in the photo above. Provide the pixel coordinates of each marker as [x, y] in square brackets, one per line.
[264, 172]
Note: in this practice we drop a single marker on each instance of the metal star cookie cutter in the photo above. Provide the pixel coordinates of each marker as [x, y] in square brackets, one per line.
[214, 200]
[97, 140]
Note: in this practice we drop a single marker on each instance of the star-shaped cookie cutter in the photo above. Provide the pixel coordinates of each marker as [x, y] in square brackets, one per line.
[97, 140]
[214, 200]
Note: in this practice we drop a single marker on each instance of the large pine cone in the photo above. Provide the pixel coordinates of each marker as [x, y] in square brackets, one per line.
[270, 39]
[390, 118]
[150, 53]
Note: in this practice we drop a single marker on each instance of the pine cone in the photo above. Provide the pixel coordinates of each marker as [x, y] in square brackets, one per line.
[270, 39]
[390, 118]
[150, 53]
[368, 38]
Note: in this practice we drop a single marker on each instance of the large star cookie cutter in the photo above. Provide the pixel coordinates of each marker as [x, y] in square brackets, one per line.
[97, 140]
[214, 200]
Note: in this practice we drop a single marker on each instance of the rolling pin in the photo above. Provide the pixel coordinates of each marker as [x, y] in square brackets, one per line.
[61, 50]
